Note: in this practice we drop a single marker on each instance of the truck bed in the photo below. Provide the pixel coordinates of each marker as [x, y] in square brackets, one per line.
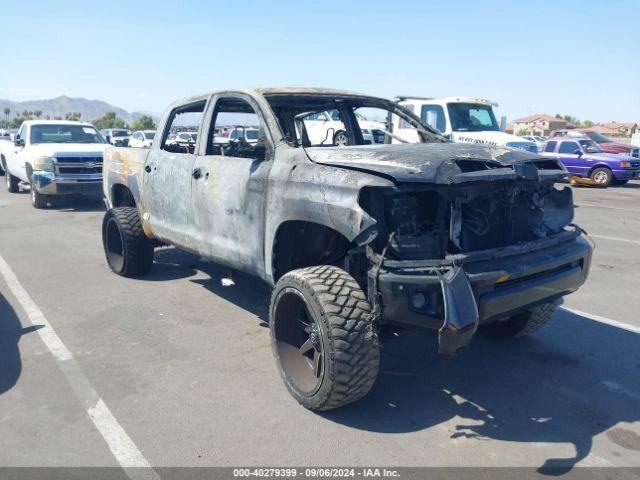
[123, 165]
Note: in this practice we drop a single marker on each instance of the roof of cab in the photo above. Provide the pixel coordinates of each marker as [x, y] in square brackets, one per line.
[407, 98]
[270, 91]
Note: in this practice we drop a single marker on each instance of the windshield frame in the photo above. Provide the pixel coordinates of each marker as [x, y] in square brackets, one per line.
[286, 102]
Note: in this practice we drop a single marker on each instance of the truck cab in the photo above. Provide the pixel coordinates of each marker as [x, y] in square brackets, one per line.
[55, 158]
[462, 119]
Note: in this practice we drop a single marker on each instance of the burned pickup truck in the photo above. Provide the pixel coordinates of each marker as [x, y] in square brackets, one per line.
[356, 237]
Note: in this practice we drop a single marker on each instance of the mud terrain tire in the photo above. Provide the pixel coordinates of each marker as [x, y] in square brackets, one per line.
[521, 324]
[343, 364]
[128, 250]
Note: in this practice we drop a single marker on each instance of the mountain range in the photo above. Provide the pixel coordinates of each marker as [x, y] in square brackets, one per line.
[59, 106]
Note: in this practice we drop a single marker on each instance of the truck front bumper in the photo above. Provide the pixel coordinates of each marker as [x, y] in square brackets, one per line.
[457, 293]
[48, 183]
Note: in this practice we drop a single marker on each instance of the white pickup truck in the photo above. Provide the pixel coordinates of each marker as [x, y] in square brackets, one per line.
[55, 158]
[462, 120]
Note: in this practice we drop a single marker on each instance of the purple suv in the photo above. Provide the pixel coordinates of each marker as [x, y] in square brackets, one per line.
[582, 157]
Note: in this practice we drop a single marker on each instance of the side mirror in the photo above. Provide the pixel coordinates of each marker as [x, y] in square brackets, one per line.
[578, 152]
[18, 142]
[260, 151]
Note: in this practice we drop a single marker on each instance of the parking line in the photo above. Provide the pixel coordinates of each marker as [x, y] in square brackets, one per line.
[616, 239]
[608, 321]
[593, 205]
[120, 444]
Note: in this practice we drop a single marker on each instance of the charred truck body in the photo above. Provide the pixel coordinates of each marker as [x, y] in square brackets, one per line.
[452, 237]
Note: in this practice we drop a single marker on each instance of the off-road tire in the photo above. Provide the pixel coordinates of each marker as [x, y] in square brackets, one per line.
[602, 172]
[136, 250]
[350, 349]
[521, 324]
[38, 200]
[13, 183]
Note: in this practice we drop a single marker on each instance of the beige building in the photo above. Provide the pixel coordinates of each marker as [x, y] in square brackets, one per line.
[539, 124]
[617, 129]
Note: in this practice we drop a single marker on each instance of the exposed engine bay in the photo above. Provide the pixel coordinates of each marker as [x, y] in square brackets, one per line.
[432, 222]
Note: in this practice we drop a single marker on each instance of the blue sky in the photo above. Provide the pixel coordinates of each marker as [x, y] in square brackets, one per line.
[575, 57]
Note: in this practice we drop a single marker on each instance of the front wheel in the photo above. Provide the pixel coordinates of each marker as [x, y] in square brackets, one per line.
[322, 337]
[340, 139]
[128, 250]
[521, 324]
[602, 176]
[38, 200]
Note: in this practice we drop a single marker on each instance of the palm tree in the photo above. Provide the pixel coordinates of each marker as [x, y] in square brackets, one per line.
[7, 111]
[37, 113]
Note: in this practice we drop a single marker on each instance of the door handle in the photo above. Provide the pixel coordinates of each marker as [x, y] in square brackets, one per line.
[197, 173]
[147, 168]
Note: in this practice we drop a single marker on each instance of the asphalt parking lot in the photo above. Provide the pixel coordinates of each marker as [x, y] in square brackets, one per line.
[185, 367]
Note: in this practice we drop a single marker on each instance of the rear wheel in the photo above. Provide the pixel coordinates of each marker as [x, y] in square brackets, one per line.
[13, 183]
[522, 323]
[602, 175]
[38, 200]
[128, 250]
[322, 337]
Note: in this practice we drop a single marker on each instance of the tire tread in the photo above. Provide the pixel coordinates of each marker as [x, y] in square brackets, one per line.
[354, 348]
[137, 248]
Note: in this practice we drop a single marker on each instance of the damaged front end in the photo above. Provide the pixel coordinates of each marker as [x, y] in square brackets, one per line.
[491, 243]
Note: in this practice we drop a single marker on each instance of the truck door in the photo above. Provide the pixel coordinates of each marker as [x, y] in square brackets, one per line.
[167, 174]
[229, 187]
[15, 160]
[574, 162]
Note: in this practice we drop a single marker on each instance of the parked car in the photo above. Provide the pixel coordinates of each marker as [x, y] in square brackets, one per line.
[462, 119]
[326, 128]
[354, 239]
[6, 134]
[584, 158]
[605, 143]
[142, 139]
[537, 140]
[55, 157]
[250, 134]
[116, 136]
[184, 141]
[187, 137]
